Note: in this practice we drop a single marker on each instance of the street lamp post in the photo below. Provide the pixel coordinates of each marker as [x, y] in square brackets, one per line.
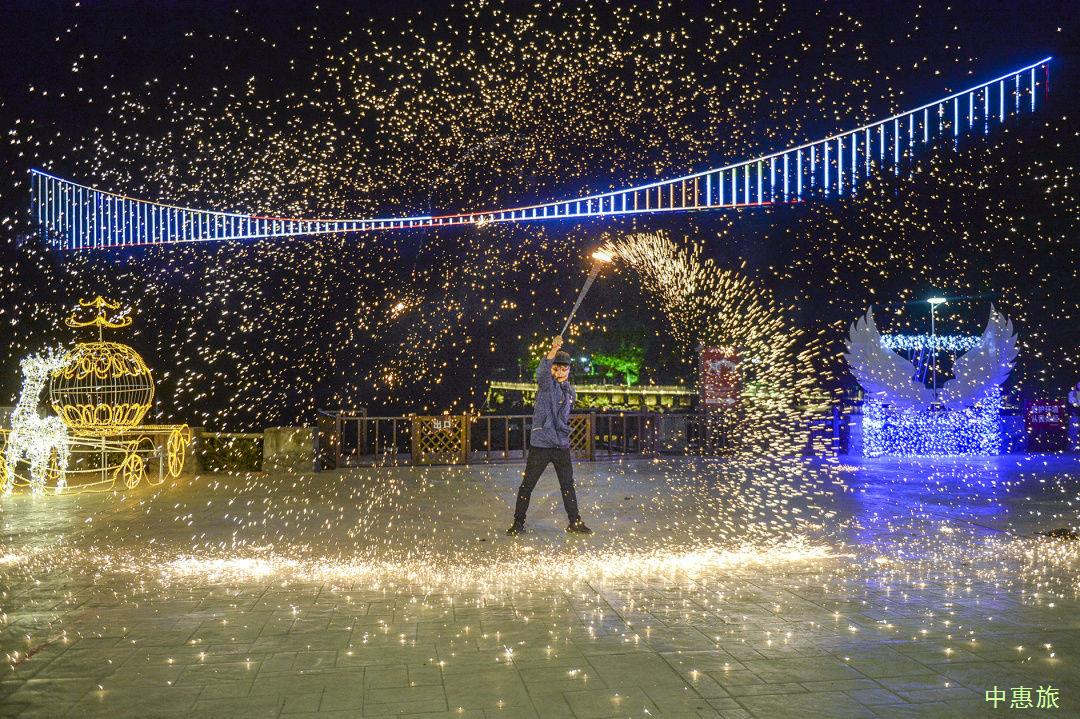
[934, 302]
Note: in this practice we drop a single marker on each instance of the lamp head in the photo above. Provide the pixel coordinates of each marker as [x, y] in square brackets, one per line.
[935, 301]
[603, 255]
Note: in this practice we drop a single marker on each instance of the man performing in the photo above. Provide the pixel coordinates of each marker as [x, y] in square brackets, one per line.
[549, 441]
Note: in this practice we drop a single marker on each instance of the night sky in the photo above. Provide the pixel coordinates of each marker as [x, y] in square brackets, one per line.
[357, 110]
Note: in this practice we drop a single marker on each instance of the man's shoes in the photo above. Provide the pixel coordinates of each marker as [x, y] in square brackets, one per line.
[578, 527]
[516, 529]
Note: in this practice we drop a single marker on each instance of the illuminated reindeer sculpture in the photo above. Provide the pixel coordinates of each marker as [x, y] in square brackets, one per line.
[42, 442]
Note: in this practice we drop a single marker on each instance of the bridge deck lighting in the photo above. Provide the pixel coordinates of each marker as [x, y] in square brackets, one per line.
[75, 216]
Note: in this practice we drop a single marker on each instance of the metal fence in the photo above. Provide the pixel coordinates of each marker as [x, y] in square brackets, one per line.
[357, 440]
[354, 440]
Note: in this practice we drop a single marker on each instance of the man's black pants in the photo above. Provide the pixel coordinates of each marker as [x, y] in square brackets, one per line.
[539, 459]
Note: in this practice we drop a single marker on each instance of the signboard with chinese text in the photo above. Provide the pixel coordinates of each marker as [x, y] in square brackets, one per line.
[719, 378]
[1047, 424]
[1041, 415]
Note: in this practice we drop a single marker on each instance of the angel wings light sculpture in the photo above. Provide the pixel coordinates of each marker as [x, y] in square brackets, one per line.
[901, 417]
[890, 379]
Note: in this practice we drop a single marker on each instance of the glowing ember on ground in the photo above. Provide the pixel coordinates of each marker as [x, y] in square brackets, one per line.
[520, 572]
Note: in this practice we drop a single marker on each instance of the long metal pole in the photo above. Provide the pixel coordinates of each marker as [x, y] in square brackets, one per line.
[581, 295]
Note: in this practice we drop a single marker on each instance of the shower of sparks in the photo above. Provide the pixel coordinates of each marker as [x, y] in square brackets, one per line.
[488, 103]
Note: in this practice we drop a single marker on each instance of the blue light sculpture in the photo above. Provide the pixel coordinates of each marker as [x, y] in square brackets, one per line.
[903, 417]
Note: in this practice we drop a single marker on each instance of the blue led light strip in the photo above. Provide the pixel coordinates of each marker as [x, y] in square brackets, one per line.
[75, 216]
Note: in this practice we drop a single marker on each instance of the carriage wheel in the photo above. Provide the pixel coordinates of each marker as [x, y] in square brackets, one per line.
[176, 449]
[55, 471]
[132, 470]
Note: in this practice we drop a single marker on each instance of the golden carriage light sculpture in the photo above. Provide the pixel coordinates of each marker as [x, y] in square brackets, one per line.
[100, 392]
[102, 386]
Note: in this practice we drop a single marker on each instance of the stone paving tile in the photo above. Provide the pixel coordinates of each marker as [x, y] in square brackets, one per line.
[203, 674]
[276, 661]
[737, 712]
[817, 705]
[764, 688]
[301, 703]
[41, 693]
[88, 663]
[249, 707]
[605, 703]
[643, 670]
[306, 683]
[387, 676]
[559, 679]
[95, 643]
[921, 689]
[340, 696]
[791, 669]
[983, 675]
[314, 660]
[137, 701]
[226, 690]
[678, 702]
[880, 662]
[841, 685]
[705, 686]
[735, 676]
[872, 697]
[937, 710]
[10, 686]
[485, 690]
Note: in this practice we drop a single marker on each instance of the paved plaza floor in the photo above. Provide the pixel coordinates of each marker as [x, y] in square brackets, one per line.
[867, 588]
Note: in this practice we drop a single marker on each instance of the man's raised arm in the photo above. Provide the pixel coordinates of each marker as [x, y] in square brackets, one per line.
[543, 370]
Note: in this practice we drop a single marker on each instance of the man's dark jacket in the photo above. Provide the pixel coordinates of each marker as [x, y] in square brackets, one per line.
[551, 414]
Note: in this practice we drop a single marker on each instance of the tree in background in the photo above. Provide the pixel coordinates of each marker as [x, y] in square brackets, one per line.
[626, 360]
[534, 350]
[615, 349]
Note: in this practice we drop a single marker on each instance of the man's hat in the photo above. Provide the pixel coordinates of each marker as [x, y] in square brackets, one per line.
[561, 358]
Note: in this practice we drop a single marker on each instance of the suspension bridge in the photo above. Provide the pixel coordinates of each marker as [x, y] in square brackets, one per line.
[75, 217]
